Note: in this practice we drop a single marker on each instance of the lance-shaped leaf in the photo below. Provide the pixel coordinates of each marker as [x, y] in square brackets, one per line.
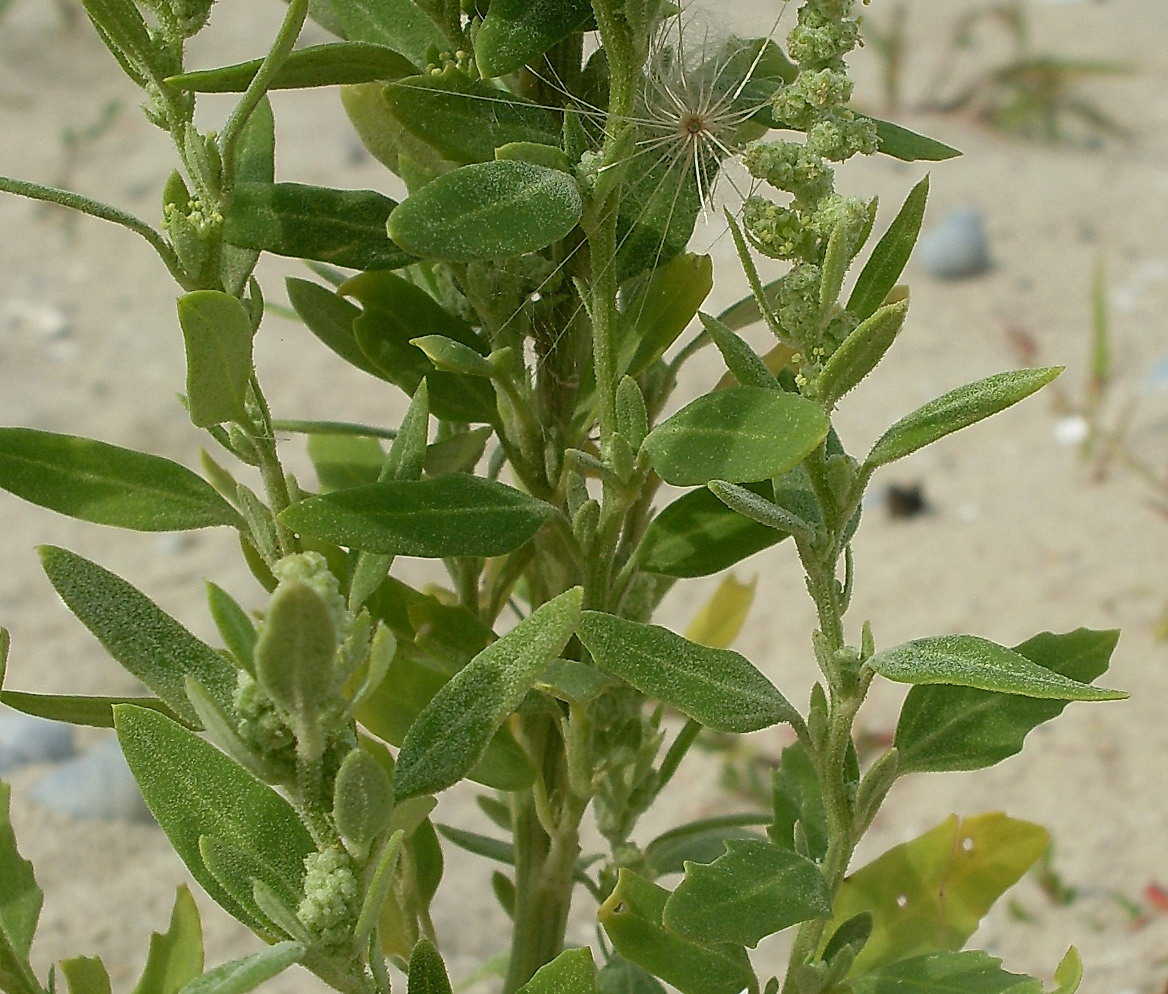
[247, 973]
[960, 728]
[427, 973]
[969, 661]
[719, 688]
[465, 120]
[662, 305]
[149, 643]
[698, 535]
[971, 972]
[330, 318]
[518, 31]
[342, 227]
[720, 620]
[455, 515]
[741, 435]
[572, 972]
[397, 24]
[632, 917]
[744, 364]
[958, 409]
[20, 908]
[175, 957]
[754, 890]
[194, 790]
[908, 146]
[107, 485]
[217, 332]
[861, 351]
[890, 256]
[929, 895]
[486, 211]
[452, 733]
[334, 64]
[75, 709]
[235, 627]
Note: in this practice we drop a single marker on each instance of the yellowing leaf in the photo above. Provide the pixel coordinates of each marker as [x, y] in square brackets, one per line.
[720, 621]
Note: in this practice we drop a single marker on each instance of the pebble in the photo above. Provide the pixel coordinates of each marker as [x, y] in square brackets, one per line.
[1071, 431]
[29, 317]
[25, 739]
[957, 248]
[97, 785]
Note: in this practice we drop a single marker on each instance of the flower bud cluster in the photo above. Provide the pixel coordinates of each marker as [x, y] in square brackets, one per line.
[331, 893]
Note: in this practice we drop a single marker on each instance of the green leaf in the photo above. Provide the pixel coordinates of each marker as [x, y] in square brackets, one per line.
[107, 485]
[958, 409]
[701, 841]
[453, 732]
[148, 643]
[662, 305]
[698, 535]
[929, 895]
[970, 972]
[744, 364]
[961, 728]
[217, 332]
[741, 435]
[720, 620]
[515, 32]
[20, 908]
[891, 255]
[465, 120]
[330, 318]
[86, 975]
[969, 661]
[334, 64]
[455, 515]
[572, 972]
[538, 153]
[487, 211]
[247, 973]
[659, 207]
[619, 976]
[861, 351]
[343, 461]
[235, 627]
[341, 227]
[797, 800]
[96, 712]
[717, 687]
[908, 146]
[194, 790]
[397, 24]
[754, 890]
[458, 453]
[362, 801]
[632, 919]
[1069, 973]
[427, 973]
[176, 955]
[764, 512]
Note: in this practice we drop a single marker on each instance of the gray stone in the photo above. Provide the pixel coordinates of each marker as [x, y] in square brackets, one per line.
[957, 248]
[97, 785]
[25, 739]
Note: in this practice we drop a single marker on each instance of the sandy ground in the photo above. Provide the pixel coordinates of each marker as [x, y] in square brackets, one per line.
[1019, 539]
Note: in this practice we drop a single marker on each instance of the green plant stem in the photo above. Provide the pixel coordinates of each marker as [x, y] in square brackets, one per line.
[233, 130]
[272, 472]
[94, 208]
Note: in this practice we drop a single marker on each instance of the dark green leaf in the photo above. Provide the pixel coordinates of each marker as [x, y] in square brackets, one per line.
[717, 687]
[572, 972]
[632, 919]
[333, 64]
[796, 799]
[515, 32]
[890, 256]
[960, 728]
[861, 351]
[397, 24]
[235, 627]
[427, 973]
[341, 227]
[958, 409]
[107, 485]
[487, 211]
[455, 515]
[452, 733]
[661, 306]
[95, 712]
[344, 461]
[754, 890]
[194, 790]
[741, 435]
[330, 318]
[698, 535]
[744, 364]
[20, 908]
[217, 332]
[908, 146]
[176, 955]
[149, 643]
[247, 973]
[660, 204]
[972, 972]
[969, 661]
[465, 120]
[458, 453]
[619, 976]
[698, 842]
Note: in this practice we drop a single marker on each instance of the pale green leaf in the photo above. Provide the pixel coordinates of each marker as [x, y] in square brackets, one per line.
[86, 975]
[20, 908]
[247, 973]
[719, 621]
[946, 973]
[217, 332]
[572, 972]
[176, 955]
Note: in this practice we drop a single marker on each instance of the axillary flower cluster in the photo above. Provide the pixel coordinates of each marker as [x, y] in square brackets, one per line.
[814, 103]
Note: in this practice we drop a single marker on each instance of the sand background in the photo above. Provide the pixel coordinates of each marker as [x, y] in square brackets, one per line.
[1020, 538]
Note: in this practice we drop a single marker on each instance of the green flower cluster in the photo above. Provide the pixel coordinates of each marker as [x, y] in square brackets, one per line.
[331, 892]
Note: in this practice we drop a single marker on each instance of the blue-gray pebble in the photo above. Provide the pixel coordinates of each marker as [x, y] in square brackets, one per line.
[25, 740]
[97, 785]
[957, 248]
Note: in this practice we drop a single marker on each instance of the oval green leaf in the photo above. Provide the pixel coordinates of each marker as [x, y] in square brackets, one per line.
[515, 32]
[107, 485]
[488, 210]
[969, 661]
[719, 688]
[740, 435]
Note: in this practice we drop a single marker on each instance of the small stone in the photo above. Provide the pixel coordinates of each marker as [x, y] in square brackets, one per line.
[25, 739]
[97, 785]
[1071, 431]
[29, 317]
[957, 248]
